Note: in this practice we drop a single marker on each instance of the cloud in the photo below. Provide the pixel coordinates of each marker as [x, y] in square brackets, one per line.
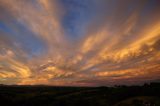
[87, 43]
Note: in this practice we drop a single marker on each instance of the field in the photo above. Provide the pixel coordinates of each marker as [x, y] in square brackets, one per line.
[146, 95]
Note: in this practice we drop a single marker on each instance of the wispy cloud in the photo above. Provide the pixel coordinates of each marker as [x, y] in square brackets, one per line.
[88, 42]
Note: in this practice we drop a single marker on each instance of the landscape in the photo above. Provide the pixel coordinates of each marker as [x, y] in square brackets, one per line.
[146, 95]
[79, 52]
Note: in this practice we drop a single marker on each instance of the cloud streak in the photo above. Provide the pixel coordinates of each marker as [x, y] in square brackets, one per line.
[87, 43]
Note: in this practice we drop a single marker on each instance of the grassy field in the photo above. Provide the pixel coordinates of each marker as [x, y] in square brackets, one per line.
[80, 96]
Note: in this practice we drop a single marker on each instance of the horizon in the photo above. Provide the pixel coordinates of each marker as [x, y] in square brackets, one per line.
[79, 42]
[108, 86]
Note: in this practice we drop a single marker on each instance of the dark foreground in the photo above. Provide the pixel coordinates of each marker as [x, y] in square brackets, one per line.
[146, 95]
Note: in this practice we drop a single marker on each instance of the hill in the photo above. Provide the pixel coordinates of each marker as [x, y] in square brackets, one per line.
[80, 96]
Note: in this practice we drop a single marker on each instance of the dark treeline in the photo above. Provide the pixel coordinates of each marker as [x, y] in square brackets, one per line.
[80, 96]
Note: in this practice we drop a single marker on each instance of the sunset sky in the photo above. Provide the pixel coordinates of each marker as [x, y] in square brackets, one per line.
[79, 42]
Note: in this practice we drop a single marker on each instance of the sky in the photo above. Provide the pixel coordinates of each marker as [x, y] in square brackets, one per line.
[79, 42]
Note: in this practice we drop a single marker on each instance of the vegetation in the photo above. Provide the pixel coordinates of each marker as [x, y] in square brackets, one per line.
[146, 95]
